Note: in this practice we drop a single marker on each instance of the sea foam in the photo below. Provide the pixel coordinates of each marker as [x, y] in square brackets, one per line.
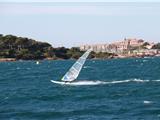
[98, 82]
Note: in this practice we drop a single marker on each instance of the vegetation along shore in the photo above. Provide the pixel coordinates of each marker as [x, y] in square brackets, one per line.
[14, 48]
[21, 48]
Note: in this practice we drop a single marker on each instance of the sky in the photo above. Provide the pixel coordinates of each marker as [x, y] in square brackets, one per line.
[69, 24]
[79, 1]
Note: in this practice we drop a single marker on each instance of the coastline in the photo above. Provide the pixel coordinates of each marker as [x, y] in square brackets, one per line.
[7, 59]
[14, 48]
[50, 59]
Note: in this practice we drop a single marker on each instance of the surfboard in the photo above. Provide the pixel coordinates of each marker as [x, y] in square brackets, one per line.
[78, 83]
[58, 82]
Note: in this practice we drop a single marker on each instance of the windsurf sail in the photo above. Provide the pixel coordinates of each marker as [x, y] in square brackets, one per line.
[74, 71]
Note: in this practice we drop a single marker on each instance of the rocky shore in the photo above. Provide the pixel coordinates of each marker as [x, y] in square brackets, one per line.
[111, 57]
[7, 59]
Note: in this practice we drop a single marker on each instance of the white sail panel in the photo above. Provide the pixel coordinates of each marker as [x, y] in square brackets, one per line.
[74, 71]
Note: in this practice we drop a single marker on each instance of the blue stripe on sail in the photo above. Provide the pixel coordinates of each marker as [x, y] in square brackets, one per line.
[65, 78]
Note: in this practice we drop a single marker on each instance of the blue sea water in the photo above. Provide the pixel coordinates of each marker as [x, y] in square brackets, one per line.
[127, 89]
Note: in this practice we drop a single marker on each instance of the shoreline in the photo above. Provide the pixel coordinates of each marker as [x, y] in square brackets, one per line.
[7, 59]
[52, 59]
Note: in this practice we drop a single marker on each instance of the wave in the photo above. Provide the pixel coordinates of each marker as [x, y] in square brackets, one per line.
[86, 67]
[132, 80]
[98, 82]
[126, 81]
[147, 102]
[156, 80]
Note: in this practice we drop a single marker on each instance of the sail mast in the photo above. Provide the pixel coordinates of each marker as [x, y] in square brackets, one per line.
[74, 71]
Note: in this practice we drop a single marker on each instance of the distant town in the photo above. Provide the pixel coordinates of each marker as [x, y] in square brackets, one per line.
[129, 47]
[14, 48]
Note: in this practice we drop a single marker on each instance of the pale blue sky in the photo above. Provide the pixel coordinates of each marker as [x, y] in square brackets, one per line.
[72, 24]
[79, 1]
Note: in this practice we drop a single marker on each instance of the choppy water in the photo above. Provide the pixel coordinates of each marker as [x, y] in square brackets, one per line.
[126, 89]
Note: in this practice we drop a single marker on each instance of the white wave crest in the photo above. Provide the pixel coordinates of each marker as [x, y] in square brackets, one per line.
[124, 81]
[98, 82]
[139, 80]
[156, 80]
[147, 102]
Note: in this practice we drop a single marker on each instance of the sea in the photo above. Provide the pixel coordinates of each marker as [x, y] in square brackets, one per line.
[112, 89]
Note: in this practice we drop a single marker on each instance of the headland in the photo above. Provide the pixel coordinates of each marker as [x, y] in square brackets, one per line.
[14, 48]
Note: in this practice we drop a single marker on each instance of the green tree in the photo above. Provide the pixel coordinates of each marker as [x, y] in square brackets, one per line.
[61, 52]
[156, 46]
